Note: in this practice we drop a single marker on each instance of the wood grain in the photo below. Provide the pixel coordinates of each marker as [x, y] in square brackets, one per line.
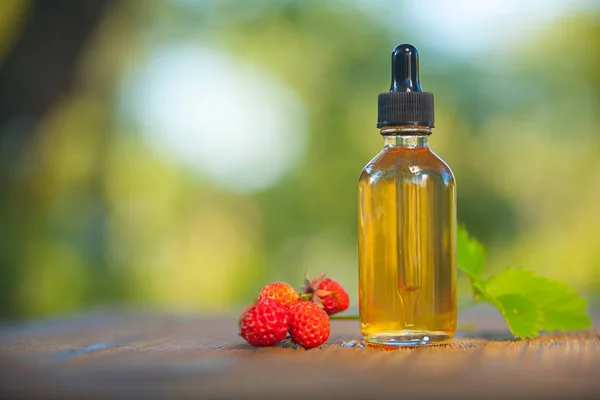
[156, 355]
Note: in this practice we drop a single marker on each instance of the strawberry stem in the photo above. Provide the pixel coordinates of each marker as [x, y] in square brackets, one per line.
[343, 317]
[306, 297]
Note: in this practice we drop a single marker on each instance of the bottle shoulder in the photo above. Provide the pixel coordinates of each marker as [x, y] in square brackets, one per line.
[391, 162]
[443, 165]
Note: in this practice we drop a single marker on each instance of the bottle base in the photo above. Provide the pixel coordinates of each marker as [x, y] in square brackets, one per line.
[408, 338]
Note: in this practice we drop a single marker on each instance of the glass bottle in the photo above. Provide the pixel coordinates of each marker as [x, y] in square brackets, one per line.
[407, 222]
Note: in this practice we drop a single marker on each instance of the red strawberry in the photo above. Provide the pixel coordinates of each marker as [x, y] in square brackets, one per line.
[309, 324]
[264, 324]
[244, 315]
[329, 293]
[281, 292]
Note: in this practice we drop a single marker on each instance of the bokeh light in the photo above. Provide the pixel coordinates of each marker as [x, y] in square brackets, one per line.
[217, 114]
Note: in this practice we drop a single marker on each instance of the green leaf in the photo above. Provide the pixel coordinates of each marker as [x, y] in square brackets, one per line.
[528, 302]
[523, 316]
[470, 254]
[560, 307]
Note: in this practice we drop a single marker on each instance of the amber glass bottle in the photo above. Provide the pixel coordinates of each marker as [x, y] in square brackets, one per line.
[407, 222]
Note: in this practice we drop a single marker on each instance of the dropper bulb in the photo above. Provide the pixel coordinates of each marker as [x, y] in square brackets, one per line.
[405, 69]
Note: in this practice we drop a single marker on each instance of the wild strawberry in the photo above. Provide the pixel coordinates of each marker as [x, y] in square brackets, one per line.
[309, 324]
[327, 292]
[244, 315]
[264, 323]
[281, 292]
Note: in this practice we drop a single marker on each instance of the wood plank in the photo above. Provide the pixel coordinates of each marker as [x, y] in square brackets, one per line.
[152, 355]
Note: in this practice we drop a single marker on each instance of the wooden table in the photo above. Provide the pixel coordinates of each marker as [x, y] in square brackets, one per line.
[129, 354]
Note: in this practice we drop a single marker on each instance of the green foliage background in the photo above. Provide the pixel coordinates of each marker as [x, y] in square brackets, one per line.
[93, 215]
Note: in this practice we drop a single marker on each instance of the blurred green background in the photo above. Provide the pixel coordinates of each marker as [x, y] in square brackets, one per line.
[182, 154]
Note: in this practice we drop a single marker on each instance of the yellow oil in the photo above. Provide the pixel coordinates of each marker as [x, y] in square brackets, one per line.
[407, 246]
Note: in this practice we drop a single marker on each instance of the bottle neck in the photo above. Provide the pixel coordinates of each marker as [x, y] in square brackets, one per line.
[406, 136]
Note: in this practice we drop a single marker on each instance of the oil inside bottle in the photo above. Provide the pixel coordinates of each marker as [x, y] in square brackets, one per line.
[407, 259]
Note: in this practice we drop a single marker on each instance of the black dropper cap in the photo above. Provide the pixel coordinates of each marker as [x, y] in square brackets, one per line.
[405, 104]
